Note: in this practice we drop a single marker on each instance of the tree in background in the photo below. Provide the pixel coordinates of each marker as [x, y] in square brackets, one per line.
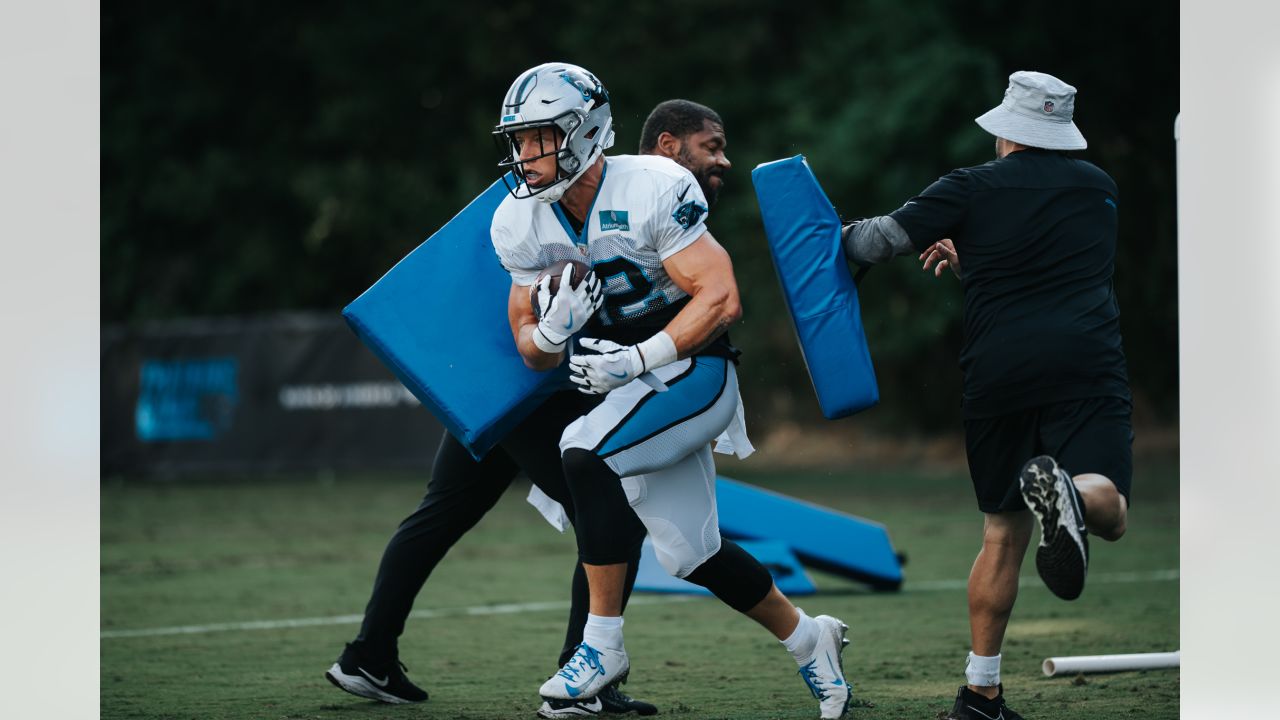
[259, 158]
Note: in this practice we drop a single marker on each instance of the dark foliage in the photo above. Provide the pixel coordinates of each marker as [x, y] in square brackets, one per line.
[259, 157]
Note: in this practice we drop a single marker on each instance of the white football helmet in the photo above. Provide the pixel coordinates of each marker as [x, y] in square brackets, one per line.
[558, 96]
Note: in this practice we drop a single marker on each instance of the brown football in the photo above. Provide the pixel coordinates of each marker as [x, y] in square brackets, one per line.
[556, 271]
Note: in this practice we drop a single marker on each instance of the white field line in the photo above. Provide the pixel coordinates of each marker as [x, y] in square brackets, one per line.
[505, 609]
[518, 608]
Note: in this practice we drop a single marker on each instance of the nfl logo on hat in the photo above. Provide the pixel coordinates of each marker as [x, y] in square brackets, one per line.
[1048, 106]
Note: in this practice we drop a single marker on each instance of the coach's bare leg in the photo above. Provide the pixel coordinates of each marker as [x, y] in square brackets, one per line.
[776, 613]
[993, 582]
[607, 583]
[1105, 509]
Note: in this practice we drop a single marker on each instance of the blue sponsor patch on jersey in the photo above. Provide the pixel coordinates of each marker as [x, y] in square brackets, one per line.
[614, 220]
[688, 214]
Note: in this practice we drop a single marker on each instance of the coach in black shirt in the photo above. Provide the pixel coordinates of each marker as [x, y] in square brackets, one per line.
[1046, 400]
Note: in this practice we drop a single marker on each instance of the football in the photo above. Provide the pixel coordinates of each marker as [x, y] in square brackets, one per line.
[556, 271]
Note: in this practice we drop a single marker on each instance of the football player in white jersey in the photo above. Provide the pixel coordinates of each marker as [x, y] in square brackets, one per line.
[462, 489]
[655, 347]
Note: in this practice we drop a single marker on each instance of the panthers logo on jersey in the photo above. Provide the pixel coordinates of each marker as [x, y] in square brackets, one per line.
[688, 214]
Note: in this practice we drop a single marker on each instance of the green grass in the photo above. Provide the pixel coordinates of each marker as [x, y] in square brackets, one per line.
[213, 552]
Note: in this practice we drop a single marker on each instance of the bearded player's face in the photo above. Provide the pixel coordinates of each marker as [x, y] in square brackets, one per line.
[702, 153]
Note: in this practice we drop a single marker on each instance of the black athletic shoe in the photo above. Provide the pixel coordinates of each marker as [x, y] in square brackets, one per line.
[611, 701]
[617, 702]
[381, 679]
[1063, 556]
[972, 706]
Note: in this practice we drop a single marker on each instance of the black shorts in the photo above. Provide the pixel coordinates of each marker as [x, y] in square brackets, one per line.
[1093, 435]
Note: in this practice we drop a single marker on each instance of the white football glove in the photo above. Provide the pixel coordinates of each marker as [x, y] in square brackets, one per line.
[615, 366]
[568, 311]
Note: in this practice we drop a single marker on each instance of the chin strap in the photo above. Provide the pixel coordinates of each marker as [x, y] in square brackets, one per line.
[554, 194]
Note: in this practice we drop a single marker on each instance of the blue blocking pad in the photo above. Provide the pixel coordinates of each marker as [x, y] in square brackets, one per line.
[790, 578]
[804, 237]
[825, 539]
[438, 320]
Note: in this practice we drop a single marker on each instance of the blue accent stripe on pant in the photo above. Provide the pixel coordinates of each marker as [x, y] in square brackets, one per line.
[688, 395]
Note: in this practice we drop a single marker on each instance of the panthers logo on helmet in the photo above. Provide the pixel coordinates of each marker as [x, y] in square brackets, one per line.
[688, 214]
[579, 84]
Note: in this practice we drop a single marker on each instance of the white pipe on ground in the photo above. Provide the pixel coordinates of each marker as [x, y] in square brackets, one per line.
[1110, 663]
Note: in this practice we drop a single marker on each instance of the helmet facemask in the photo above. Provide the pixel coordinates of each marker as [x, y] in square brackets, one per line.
[554, 138]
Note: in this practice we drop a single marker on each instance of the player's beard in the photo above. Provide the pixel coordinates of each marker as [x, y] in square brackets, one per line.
[703, 175]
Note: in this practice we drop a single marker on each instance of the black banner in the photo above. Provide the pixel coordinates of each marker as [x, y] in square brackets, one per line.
[278, 393]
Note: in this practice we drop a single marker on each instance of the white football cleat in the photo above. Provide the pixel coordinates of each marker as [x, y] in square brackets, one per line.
[823, 671]
[588, 672]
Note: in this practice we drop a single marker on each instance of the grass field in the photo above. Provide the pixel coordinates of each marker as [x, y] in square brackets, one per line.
[241, 551]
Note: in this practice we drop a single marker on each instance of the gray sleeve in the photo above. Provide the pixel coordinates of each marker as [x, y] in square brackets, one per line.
[875, 240]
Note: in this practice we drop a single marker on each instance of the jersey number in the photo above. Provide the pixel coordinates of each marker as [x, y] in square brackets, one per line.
[640, 291]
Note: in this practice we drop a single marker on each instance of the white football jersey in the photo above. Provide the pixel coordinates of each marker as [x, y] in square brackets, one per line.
[647, 208]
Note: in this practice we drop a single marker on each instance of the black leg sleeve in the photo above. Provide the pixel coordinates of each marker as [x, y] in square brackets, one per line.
[734, 576]
[461, 491]
[606, 526]
[534, 444]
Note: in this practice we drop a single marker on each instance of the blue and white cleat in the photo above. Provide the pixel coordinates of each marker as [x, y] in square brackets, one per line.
[1063, 556]
[823, 672]
[589, 671]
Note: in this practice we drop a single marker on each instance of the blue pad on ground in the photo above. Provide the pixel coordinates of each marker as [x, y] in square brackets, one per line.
[804, 237]
[787, 574]
[825, 539]
[438, 319]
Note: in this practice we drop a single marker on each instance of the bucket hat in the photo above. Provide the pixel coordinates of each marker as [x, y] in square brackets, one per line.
[1036, 112]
